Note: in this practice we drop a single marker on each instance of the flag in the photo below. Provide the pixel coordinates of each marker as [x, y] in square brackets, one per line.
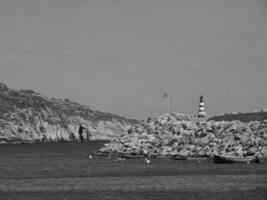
[165, 95]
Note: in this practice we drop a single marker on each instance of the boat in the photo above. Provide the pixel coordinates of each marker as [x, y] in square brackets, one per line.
[98, 153]
[233, 159]
[199, 158]
[263, 160]
[130, 156]
[179, 157]
[121, 155]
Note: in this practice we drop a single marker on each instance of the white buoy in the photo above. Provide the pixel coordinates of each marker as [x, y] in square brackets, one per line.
[90, 156]
[147, 161]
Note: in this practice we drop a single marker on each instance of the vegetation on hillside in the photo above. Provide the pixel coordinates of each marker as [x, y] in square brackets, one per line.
[27, 113]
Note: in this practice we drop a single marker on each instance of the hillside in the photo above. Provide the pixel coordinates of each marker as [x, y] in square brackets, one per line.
[27, 116]
[244, 117]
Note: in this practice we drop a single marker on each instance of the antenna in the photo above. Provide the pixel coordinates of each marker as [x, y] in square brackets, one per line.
[167, 96]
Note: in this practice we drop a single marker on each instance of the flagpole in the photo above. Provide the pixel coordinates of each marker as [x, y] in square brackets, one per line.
[168, 103]
[166, 95]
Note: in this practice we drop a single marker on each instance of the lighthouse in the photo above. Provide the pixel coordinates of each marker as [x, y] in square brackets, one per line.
[201, 109]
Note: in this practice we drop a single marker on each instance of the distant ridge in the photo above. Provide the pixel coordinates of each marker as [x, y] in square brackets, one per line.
[244, 117]
[27, 116]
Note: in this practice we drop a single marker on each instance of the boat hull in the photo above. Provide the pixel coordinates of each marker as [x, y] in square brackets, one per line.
[130, 156]
[231, 159]
[179, 157]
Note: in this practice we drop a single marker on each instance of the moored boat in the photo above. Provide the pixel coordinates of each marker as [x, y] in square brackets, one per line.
[179, 157]
[130, 156]
[263, 160]
[233, 159]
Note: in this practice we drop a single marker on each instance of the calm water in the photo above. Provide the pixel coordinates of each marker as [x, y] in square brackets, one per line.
[64, 171]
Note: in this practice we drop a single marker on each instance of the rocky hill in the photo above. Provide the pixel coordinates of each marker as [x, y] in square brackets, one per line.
[27, 116]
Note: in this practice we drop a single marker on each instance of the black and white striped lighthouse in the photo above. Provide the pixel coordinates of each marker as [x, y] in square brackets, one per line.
[201, 109]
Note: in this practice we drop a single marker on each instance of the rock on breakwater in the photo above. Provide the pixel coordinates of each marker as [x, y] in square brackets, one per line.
[177, 134]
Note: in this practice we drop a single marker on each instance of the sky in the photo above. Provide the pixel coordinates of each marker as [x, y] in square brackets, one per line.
[120, 56]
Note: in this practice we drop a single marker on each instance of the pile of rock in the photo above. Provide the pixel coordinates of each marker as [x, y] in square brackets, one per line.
[177, 134]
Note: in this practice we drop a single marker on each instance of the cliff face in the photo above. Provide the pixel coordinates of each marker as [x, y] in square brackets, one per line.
[26, 116]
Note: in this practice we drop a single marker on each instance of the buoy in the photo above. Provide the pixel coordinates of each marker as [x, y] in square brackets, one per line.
[147, 161]
[90, 156]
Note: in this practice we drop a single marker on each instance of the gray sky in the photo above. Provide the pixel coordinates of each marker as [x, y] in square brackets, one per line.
[120, 56]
